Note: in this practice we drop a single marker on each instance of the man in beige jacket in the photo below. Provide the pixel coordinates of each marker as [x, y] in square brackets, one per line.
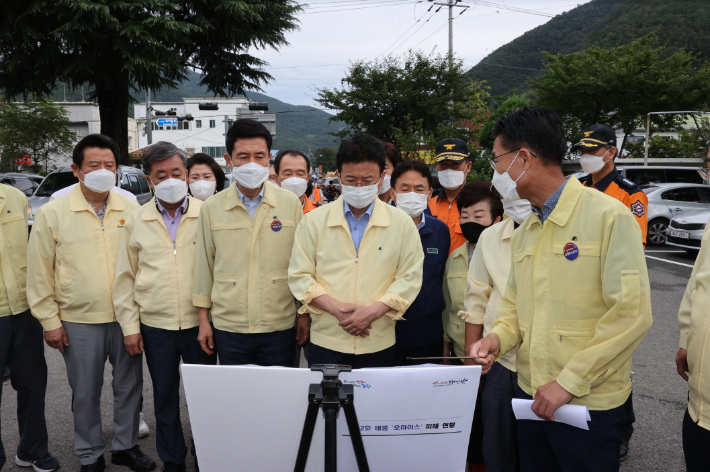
[693, 363]
[71, 260]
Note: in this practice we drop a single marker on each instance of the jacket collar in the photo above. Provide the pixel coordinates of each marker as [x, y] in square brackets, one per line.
[604, 182]
[77, 201]
[233, 199]
[568, 200]
[151, 210]
[508, 229]
[441, 193]
[336, 217]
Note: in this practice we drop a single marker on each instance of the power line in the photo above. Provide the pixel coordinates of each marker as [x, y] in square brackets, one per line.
[408, 29]
[361, 8]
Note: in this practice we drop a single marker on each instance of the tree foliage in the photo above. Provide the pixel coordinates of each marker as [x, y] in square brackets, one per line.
[603, 23]
[485, 136]
[37, 129]
[137, 44]
[619, 86]
[693, 142]
[325, 156]
[411, 100]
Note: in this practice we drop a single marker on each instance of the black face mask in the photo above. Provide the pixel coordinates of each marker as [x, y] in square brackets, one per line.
[472, 231]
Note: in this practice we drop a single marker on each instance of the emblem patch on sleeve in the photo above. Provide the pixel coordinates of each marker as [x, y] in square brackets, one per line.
[638, 208]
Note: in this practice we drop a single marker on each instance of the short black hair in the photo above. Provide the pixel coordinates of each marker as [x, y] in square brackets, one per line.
[247, 128]
[202, 158]
[406, 165]
[100, 141]
[290, 152]
[540, 129]
[479, 191]
[392, 153]
[360, 148]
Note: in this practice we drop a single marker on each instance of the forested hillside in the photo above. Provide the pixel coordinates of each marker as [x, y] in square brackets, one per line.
[606, 23]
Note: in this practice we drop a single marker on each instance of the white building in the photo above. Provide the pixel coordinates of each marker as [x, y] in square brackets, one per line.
[211, 117]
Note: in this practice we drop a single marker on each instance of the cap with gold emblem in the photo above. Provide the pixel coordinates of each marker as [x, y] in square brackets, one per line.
[452, 149]
[595, 137]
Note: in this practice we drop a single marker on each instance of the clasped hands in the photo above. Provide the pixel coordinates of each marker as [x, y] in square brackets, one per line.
[355, 319]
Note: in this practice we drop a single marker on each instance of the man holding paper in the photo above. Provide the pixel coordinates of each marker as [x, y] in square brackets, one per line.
[577, 301]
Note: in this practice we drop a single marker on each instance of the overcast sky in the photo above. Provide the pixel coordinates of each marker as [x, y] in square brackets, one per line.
[332, 33]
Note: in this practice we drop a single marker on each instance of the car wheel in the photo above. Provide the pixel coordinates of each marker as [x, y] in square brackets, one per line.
[657, 232]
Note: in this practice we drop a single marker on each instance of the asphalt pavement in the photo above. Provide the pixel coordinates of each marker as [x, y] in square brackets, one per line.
[660, 395]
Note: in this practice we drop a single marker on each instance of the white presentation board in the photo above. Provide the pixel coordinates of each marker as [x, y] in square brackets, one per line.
[247, 418]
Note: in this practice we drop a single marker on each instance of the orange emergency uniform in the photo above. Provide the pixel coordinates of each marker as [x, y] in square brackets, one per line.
[308, 206]
[448, 213]
[628, 193]
[316, 195]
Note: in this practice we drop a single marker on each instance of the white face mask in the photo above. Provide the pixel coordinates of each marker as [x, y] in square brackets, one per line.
[100, 181]
[505, 185]
[412, 203]
[170, 190]
[385, 184]
[359, 197]
[251, 175]
[591, 163]
[297, 185]
[203, 189]
[518, 210]
[451, 178]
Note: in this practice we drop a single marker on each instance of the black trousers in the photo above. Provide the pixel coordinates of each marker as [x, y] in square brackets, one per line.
[546, 446]
[265, 349]
[434, 349]
[163, 351]
[321, 355]
[22, 348]
[696, 445]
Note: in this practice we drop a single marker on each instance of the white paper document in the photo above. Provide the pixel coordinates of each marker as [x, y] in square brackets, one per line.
[573, 415]
[251, 418]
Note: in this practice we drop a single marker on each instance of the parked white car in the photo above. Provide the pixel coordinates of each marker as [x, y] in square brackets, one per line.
[686, 231]
[668, 201]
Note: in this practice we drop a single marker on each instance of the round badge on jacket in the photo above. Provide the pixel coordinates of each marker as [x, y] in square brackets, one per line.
[276, 225]
[571, 251]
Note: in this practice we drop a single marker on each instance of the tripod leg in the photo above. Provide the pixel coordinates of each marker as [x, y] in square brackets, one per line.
[346, 399]
[331, 440]
[308, 426]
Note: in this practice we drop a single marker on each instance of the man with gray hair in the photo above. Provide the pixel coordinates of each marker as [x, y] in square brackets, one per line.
[152, 294]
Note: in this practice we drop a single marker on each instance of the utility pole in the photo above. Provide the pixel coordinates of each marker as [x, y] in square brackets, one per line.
[148, 119]
[451, 4]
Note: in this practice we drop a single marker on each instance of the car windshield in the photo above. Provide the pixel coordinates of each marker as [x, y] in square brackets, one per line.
[54, 182]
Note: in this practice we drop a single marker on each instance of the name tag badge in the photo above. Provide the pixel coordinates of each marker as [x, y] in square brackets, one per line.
[432, 250]
[276, 225]
[571, 251]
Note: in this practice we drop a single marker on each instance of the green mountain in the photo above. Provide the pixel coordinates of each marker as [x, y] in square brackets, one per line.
[605, 23]
[297, 126]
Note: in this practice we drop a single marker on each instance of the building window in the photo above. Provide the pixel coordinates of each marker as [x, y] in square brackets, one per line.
[183, 124]
[212, 123]
[215, 151]
[198, 123]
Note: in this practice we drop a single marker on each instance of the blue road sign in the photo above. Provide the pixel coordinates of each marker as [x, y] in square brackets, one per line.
[167, 121]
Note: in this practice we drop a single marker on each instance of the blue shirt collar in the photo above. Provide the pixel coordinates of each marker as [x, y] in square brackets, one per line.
[347, 209]
[550, 204]
[242, 196]
[164, 211]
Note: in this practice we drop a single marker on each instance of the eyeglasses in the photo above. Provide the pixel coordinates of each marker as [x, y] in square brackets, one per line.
[493, 161]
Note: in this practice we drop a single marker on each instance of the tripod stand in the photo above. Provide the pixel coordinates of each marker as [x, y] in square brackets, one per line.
[331, 394]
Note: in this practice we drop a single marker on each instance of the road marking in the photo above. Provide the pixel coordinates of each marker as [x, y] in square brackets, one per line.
[668, 252]
[670, 262]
